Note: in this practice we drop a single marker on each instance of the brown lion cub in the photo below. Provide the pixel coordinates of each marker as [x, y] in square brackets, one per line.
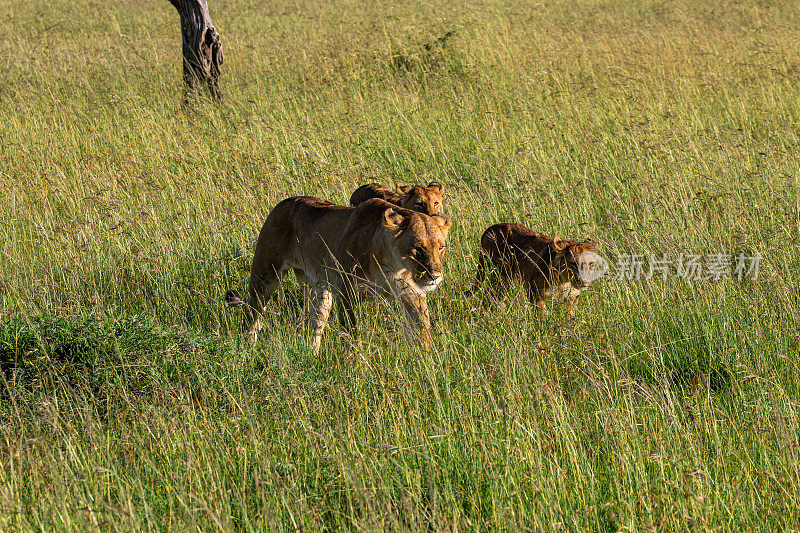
[544, 265]
[426, 200]
[333, 248]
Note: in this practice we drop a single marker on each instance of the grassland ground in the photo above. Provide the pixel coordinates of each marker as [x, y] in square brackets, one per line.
[130, 402]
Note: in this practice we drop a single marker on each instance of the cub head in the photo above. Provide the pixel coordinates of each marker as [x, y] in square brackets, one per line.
[582, 260]
[418, 245]
[426, 200]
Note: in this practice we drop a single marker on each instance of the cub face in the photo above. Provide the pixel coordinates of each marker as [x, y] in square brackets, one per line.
[426, 200]
[419, 245]
[582, 259]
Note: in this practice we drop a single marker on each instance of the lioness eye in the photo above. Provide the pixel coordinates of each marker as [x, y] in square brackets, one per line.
[441, 250]
[435, 203]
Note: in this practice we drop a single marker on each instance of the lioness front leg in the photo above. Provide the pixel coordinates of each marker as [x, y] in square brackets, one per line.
[347, 315]
[262, 287]
[347, 319]
[319, 308]
[417, 321]
[308, 297]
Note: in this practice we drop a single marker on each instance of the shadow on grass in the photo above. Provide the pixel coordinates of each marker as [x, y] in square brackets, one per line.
[97, 354]
[692, 349]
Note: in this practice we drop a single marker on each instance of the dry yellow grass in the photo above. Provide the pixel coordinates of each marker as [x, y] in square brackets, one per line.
[653, 127]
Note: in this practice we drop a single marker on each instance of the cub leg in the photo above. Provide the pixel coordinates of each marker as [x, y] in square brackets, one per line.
[572, 298]
[498, 278]
[536, 294]
[320, 305]
[497, 290]
[483, 266]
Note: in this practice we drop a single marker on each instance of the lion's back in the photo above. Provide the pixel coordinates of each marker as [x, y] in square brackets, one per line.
[371, 191]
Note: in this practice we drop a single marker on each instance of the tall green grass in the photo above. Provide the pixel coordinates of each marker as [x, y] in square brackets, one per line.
[130, 401]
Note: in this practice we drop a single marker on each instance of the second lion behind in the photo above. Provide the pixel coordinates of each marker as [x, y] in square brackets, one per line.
[426, 200]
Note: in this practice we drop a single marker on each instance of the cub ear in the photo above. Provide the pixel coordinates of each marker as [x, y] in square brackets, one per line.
[392, 220]
[593, 243]
[404, 189]
[444, 223]
[436, 186]
[559, 244]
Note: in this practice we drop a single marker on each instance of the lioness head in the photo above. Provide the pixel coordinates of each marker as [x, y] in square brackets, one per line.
[426, 200]
[418, 245]
[582, 260]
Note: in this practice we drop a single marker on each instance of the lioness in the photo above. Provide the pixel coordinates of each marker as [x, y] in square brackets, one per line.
[545, 266]
[426, 200]
[332, 248]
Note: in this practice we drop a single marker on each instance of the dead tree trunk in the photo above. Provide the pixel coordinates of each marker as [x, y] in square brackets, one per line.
[202, 50]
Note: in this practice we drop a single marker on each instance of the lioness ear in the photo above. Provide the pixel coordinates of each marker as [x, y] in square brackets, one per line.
[436, 186]
[392, 220]
[443, 222]
[403, 189]
[559, 244]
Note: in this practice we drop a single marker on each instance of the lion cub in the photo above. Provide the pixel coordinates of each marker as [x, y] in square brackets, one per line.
[426, 200]
[334, 248]
[544, 265]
